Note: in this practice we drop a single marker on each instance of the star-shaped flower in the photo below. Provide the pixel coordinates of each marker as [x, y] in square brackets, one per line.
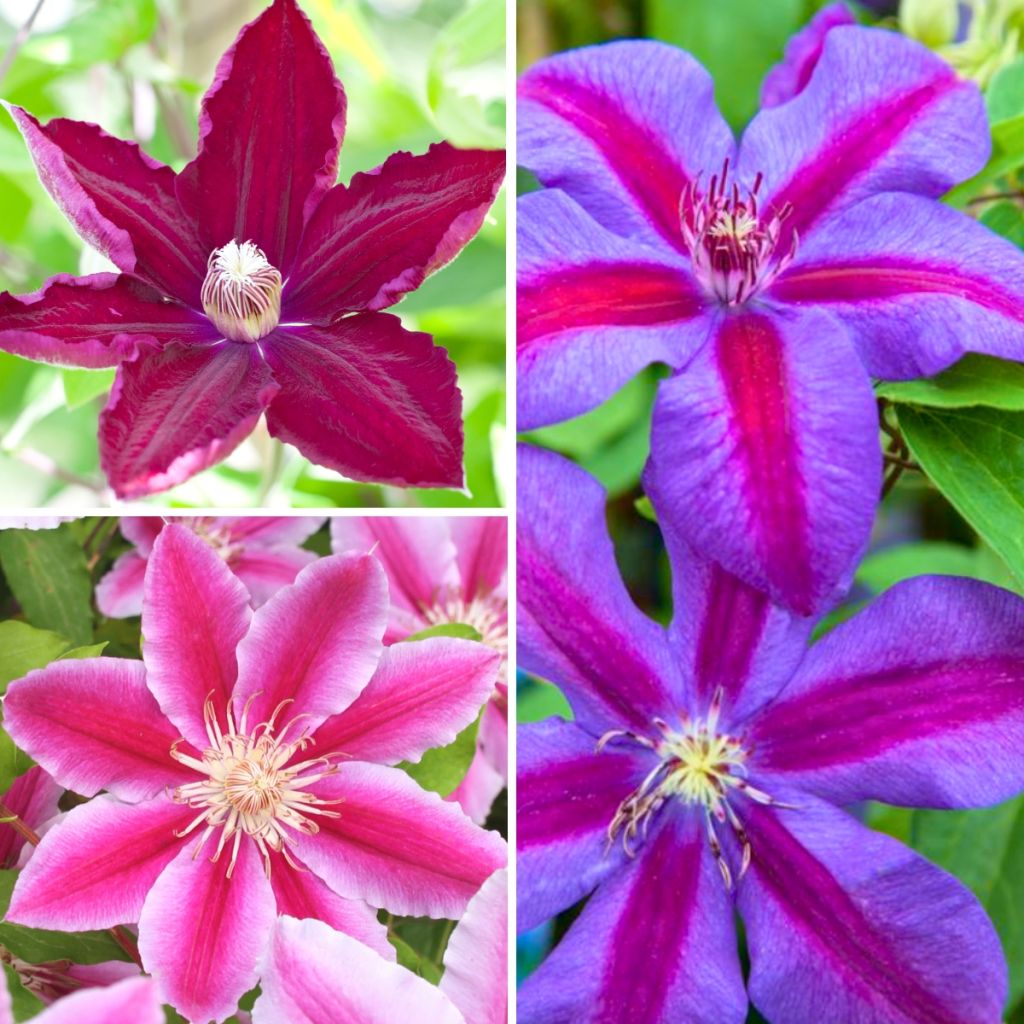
[706, 771]
[251, 283]
[245, 766]
[776, 276]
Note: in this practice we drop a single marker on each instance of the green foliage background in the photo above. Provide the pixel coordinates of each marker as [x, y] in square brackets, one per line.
[415, 71]
[961, 512]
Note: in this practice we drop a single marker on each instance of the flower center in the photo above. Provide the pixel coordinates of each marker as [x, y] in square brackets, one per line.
[250, 787]
[216, 535]
[486, 613]
[732, 243]
[697, 764]
[242, 292]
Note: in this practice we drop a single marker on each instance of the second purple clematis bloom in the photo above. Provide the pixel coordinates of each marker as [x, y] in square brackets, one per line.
[705, 772]
[251, 283]
[776, 277]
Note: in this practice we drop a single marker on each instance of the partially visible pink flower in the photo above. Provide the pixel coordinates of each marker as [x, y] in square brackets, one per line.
[264, 552]
[33, 798]
[52, 980]
[302, 982]
[133, 1001]
[245, 762]
[446, 570]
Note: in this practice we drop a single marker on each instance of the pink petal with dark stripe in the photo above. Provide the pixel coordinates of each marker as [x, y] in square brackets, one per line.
[94, 868]
[372, 241]
[369, 399]
[202, 934]
[848, 926]
[577, 625]
[121, 201]
[420, 697]
[315, 644]
[264, 571]
[764, 454]
[917, 284]
[481, 545]
[269, 134]
[95, 321]
[655, 944]
[271, 531]
[896, 704]
[93, 724]
[593, 310]
[178, 411]
[142, 531]
[911, 125]
[566, 797]
[33, 798]
[195, 613]
[397, 846]
[624, 128]
[119, 592]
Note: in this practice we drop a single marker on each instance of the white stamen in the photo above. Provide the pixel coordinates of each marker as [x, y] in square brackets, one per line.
[242, 292]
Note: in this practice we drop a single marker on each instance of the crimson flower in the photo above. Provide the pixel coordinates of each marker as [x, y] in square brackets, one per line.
[251, 283]
[247, 768]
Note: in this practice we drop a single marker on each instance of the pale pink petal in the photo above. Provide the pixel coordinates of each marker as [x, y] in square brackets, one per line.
[142, 531]
[133, 1001]
[273, 531]
[315, 643]
[195, 612]
[93, 724]
[476, 792]
[482, 546]
[299, 893]
[476, 960]
[33, 798]
[422, 695]
[202, 934]
[95, 866]
[104, 974]
[264, 571]
[397, 846]
[119, 593]
[317, 976]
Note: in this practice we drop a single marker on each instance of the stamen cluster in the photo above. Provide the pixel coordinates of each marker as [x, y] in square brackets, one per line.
[732, 243]
[242, 292]
[485, 613]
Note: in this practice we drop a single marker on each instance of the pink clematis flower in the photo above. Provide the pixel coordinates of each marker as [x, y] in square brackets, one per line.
[262, 551]
[252, 284]
[445, 570]
[132, 1001]
[303, 985]
[245, 763]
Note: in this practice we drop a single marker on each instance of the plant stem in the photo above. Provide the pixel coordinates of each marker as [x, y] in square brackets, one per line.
[20, 39]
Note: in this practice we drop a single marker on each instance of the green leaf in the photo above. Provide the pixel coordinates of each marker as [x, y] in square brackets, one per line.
[24, 1004]
[457, 629]
[985, 850]
[976, 458]
[443, 768]
[47, 573]
[537, 700]
[36, 945]
[882, 570]
[23, 648]
[414, 961]
[81, 386]
[1006, 219]
[974, 380]
[645, 508]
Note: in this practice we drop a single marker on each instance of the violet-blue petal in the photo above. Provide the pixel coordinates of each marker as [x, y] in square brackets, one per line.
[790, 76]
[881, 113]
[919, 699]
[593, 309]
[624, 128]
[917, 284]
[655, 944]
[847, 925]
[578, 627]
[765, 456]
[179, 410]
[566, 798]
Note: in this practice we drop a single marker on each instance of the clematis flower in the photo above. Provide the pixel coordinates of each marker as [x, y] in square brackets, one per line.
[244, 763]
[303, 985]
[444, 570]
[262, 551]
[251, 283]
[705, 772]
[133, 1000]
[776, 277]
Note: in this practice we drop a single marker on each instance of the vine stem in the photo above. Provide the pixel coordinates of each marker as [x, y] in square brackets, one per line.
[120, 935]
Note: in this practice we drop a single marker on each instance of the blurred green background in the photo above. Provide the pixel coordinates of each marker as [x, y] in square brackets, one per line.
[415, 71]
[954, 502]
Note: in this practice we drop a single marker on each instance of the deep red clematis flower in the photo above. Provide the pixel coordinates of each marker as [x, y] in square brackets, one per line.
[251, 283]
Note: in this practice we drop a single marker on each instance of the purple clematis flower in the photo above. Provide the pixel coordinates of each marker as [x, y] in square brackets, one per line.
[776, 277]
[702, 774]
[251, 283]
[248, 767]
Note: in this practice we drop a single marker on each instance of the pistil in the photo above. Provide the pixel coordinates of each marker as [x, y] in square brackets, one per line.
[242, 292]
